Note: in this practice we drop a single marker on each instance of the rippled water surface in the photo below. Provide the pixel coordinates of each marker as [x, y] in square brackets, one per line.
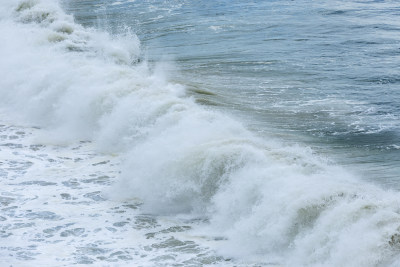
[323, 72]
[193, 133]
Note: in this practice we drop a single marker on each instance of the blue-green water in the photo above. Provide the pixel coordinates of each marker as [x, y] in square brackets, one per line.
[193, 133]
[325, 73]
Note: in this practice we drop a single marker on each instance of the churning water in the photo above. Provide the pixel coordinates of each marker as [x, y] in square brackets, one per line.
[190, 133]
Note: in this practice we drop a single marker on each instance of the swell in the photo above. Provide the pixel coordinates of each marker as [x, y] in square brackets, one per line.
[279, 203]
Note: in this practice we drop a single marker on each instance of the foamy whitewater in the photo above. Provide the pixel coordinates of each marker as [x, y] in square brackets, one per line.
[107, 160]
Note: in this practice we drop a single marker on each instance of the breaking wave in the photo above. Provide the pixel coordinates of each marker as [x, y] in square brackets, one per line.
[281, 204]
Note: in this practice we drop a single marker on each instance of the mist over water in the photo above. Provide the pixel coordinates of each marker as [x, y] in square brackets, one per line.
[269, 129]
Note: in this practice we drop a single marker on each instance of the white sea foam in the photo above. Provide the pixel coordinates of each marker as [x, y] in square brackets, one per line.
[268, 201]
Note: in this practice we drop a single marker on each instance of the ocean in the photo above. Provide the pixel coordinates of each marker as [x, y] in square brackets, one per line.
[199, 133]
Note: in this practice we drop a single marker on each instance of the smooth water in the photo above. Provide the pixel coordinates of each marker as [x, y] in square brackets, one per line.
[182, 133]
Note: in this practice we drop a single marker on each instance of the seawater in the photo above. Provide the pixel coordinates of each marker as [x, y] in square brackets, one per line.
[184, 133]
[326, 73]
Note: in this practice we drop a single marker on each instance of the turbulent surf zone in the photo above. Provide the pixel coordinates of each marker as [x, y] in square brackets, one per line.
[105, 160]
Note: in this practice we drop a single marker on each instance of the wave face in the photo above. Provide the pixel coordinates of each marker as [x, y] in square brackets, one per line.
[270, 202]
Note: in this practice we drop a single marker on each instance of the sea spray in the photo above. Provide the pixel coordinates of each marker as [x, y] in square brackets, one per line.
[281, 204]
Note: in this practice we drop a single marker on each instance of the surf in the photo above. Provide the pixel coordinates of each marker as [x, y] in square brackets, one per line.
[270, 202]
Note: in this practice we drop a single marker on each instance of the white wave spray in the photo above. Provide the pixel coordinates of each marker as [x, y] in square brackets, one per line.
[271, 202]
